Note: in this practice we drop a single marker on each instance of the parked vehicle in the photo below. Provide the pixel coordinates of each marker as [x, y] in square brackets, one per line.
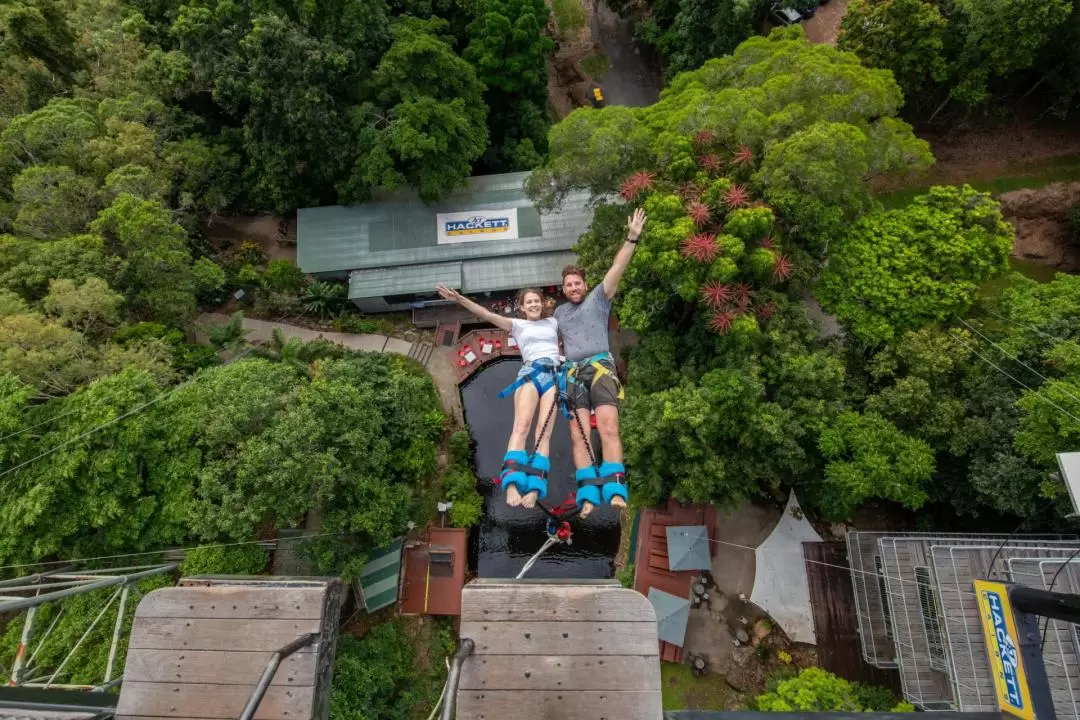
[783, 16]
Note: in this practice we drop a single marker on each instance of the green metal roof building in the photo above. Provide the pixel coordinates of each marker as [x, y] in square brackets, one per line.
[485, 238]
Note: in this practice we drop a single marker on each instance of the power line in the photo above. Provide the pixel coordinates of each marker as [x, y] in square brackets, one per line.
[159, 552]
[846, 568]
[116, 419]
[1015, 358]
[43, 422]
[1018, 382]
[71, 412]
[1025, 325]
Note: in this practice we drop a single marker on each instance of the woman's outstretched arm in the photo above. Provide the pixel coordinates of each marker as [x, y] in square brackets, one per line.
[503, 323]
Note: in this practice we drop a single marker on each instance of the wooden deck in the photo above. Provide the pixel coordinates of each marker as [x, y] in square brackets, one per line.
[198, 651]
[565, 650]
[477, 349]
[835, 623]
[651, 559]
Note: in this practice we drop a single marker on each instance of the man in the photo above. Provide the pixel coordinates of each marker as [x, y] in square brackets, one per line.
[583, 324]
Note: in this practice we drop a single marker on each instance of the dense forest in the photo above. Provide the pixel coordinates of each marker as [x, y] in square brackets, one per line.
[946, 387]
[954, 381]
[960, 57]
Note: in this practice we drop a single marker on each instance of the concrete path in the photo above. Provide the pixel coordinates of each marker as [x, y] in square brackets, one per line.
[780, 585]
[442, 373]
[633, 77]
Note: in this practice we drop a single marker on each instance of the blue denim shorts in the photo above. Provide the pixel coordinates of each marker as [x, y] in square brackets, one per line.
[546, 378]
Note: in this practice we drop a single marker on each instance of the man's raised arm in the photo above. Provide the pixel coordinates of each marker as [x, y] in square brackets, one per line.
[622, 258]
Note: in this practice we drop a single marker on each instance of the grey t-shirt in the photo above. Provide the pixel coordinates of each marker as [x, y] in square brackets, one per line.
[584, 327]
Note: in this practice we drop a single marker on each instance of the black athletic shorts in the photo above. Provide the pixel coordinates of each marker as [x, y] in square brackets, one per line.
[605, 390]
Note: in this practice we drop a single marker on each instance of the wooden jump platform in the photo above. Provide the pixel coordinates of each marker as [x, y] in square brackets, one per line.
[558, 649]
[198, 650]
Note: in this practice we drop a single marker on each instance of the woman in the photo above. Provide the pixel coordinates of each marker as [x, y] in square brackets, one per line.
[525, 476]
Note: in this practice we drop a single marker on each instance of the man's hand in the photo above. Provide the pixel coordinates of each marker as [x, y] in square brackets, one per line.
[447, 294]
[635, 224]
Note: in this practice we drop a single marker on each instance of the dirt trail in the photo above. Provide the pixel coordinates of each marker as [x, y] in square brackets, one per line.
[825, 25]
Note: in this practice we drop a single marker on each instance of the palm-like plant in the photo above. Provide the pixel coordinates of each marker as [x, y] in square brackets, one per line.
[323, 298]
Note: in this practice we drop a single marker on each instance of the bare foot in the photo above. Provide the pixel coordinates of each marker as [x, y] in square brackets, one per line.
[530, 500]
[513, 497]
[618, 502]
[586, 509]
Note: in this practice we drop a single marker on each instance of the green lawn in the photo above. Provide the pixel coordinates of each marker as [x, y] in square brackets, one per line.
[1062, 169]
[682, 691]
[570, 16]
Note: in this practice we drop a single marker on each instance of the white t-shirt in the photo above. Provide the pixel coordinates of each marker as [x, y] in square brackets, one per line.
[537, 338]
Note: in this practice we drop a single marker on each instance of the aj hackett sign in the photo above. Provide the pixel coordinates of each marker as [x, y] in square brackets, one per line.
[473, 225]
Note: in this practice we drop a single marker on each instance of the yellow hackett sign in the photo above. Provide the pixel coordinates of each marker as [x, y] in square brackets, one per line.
[1002, 644]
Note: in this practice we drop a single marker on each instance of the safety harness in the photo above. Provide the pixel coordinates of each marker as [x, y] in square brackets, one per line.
[538, 368]
[598, 483]
[568, 375]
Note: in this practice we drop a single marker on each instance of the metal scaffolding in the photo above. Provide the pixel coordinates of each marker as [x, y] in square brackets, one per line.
[30, 592]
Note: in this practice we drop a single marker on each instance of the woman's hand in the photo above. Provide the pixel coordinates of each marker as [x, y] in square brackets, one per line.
[635, 224]
[447, 294]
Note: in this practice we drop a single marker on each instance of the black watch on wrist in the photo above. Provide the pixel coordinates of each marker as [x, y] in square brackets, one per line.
[632, 242]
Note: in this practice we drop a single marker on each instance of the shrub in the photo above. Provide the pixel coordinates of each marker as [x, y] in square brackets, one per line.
[283, 276]
[373, 675]
[461, 447]
[249, 275]
[815, 690]
[229, 560]
[461, 491]
[626, 576]
[354, 324]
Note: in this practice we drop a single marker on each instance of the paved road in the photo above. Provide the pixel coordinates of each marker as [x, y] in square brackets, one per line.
[633, 77]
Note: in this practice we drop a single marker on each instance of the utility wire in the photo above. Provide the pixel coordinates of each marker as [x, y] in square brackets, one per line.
[1042, 398]
[846, 568]
[1026, 326]
[43, 422]
[1015, 358]
[116, 419]
[159, 552]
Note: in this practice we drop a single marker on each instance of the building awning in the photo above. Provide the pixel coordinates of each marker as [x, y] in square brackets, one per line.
[512, 273]
[468, 276]
[404, 280]
[379, 578]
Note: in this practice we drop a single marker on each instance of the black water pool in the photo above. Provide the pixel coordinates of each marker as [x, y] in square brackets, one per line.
[507, 537]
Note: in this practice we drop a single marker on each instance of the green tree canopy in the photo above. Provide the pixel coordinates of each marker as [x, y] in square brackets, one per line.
[777, 98]
[432, 126]
[903, 268]
[905, 36]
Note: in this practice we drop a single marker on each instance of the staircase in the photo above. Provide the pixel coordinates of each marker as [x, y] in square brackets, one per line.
[421, 352]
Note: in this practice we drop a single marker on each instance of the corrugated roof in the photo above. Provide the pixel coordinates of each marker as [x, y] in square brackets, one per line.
[403, 280]
[511, 273]
[470, 276]
[398, 229]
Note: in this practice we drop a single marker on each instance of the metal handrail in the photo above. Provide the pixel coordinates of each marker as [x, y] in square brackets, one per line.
[271, 669]
[463, 652]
